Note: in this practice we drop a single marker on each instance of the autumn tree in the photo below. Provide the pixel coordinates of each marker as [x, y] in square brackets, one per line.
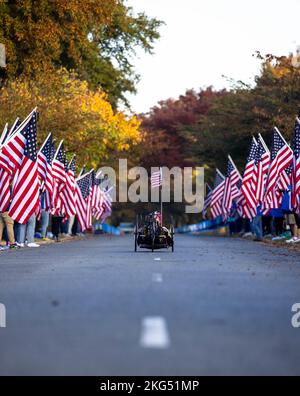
[71, 111]
[246, 111]
[95, 38]
[202, 128]
[166, 128]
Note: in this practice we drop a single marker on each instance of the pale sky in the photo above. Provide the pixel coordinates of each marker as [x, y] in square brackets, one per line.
[205, 39]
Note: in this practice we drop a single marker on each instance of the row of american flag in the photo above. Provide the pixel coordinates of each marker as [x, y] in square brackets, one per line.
[26, 172]
[268, 176]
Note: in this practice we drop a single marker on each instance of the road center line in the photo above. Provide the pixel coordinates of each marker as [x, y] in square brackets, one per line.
[157, 259]
[154, 333]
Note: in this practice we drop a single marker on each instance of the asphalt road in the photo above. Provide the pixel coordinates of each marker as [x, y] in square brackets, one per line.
[216, 306]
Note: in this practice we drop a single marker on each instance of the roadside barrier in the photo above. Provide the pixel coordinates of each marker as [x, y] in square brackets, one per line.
[106, 229]
[200, 227]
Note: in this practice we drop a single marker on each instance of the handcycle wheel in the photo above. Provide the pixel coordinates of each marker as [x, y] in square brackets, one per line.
[172, 236]
[153, 242]
[136, 234]
[135, 242]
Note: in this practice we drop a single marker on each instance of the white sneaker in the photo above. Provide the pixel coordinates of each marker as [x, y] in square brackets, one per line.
[292, 240]
[297, 240]
[6, 247]
[247, 235]
[33, 245]
[21, 245]
[278, 238]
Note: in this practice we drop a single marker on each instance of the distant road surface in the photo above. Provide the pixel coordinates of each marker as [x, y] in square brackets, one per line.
[216, 306]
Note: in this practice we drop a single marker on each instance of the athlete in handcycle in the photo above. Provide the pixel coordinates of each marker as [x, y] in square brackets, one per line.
[151, 234]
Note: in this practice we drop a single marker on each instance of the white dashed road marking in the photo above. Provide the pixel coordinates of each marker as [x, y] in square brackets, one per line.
[157, 278]
[154, 333]
[157, 259]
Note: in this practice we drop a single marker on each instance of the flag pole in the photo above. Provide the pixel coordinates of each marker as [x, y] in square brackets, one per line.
[220, 174]
[82, 170]
[3, 133]
[44, 143]
[233, 164]
[57, 151]
[264, 143]
[279, 133]
[13, 127]
[161, 197]
[23, 124]
[74, 155]
[87, 173]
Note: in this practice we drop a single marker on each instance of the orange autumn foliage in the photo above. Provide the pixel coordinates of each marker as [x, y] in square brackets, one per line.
[67, 107]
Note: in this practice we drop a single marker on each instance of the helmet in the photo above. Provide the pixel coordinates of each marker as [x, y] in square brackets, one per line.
[157, 216]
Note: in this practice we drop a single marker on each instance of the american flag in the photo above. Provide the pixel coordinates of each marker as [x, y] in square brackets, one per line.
[97, 197]
[59, 178]
[67, 193]
[231, 190]
[107, 204]
[5, 190]
[81, 196]
[58, 165]
[281, 158]
[14, 128]
[11, 157]
[217, 195]
[156, 179]
[44, 158]
[285, 180]
[263, 160]
[283, 186]
[244, 210]
[4, 178]
[207, 201]
[9, 132]
[89, 208]
[25, 193]
[44, 161]
[250, 177]
[296, 168]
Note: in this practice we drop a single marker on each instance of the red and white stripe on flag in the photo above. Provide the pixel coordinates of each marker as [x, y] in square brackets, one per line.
[282, 158]
[97, 202]
[25, 193]
[231, 190]
[26, 198]
[67, 195]
[81, 208]
[156, 179]
[217, 195]
[5, 193]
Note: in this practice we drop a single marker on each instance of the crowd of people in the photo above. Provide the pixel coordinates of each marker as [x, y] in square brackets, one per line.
[265, 201]
[280, 225]
[42, 226]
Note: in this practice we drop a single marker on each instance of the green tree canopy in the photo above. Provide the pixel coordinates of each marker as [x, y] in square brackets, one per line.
[95, 38]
